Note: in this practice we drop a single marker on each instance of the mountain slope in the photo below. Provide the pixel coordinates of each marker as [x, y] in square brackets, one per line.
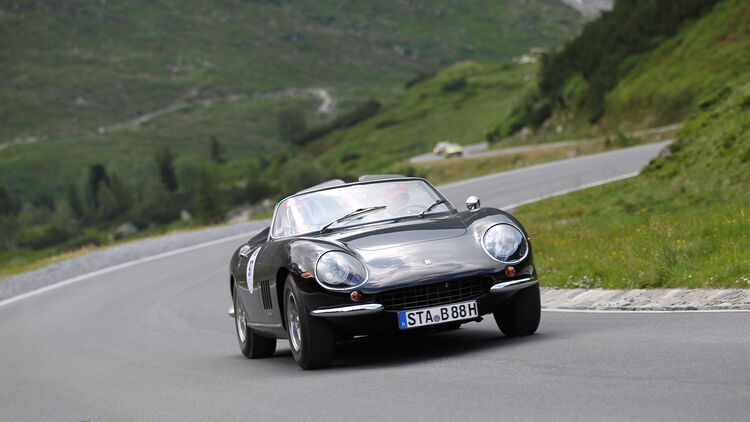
[591, 86]
[164, 112]
[665, 85]
[685, 221]
[459, 104]
[72, 66]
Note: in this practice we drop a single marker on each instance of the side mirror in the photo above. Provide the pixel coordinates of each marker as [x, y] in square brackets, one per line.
[472, 203]
[245, 251]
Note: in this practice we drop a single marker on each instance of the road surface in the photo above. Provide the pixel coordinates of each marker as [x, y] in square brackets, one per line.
[481, 149]
[152, 342]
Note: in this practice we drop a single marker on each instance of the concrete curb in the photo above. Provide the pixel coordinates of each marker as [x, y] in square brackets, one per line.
[646, 300]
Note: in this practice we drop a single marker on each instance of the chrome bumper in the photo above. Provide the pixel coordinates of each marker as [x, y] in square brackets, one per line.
[513, 285]
[347, 311]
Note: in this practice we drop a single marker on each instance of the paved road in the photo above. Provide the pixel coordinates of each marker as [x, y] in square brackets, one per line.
[529, 183]
[481, 149]
[469, 151]
[152, 342]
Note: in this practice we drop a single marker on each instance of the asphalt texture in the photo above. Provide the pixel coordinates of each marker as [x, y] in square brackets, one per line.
[151, 341]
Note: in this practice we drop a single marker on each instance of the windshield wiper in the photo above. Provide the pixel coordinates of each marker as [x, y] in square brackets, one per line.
[356, 213]
[428, 209]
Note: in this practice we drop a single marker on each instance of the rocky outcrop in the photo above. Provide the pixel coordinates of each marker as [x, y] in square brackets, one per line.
[590, 8]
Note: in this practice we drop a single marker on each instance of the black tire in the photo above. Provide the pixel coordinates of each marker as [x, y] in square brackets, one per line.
[314, 345]
[252, 345]
[520, 315]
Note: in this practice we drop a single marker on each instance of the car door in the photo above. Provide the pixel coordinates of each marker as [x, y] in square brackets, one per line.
[250, 285]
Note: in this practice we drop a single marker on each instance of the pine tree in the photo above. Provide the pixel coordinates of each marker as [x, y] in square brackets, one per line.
[217, 151]
[291, 124]
[7, 206]
[165, 161]
[207, 198]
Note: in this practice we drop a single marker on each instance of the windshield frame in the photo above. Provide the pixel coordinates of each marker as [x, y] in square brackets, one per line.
[429, 185]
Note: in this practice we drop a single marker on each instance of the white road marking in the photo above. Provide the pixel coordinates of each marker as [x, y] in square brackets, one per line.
[119, 267]
[565, 191]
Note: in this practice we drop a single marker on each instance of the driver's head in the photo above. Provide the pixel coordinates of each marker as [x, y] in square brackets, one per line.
[396, 196]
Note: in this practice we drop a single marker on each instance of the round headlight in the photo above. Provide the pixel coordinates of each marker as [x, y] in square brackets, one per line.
[505, 243]
[340, 270]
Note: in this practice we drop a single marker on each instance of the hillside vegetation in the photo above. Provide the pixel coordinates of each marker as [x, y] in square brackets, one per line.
[70, 67]
[168, 114]
[459, 104]
[640, 65]
[686, 220]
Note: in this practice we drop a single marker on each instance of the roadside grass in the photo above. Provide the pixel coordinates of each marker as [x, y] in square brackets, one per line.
[29, 259]
[450, 170]
[598, 238]
[684, 222]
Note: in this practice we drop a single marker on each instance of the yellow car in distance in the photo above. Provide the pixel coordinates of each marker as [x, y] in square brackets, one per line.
[448, 150]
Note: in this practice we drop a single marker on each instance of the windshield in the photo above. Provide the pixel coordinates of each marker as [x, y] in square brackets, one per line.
[312, 211]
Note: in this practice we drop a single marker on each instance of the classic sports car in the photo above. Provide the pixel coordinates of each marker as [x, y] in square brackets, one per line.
[384, 254]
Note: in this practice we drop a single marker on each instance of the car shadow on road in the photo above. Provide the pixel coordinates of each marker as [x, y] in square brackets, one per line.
[378, 352]
[397, 350]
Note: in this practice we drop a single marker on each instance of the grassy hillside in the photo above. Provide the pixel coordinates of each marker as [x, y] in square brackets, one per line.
[686, 220]
[70, 67]
[164, 113]
[459, 104]
[642, 65]
[664, 85]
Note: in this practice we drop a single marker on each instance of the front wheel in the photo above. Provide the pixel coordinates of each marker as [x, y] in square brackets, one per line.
[312, 341]
[252, 345]
[520, 315]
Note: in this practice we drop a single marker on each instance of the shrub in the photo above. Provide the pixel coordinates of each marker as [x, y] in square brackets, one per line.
[41, 237]
[454, 85]
[362, 112]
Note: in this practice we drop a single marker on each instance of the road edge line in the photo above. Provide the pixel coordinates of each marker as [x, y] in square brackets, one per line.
[106, 270]
[571, 190]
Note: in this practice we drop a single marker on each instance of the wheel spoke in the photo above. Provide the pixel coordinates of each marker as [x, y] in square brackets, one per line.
[241, 320]
[293, 323]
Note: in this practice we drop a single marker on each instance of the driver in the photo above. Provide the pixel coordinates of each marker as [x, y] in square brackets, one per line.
[396, 199]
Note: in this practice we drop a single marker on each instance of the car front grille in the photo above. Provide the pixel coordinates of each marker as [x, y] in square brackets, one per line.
[434, 294]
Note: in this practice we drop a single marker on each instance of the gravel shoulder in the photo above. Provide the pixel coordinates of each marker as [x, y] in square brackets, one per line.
[646, 300]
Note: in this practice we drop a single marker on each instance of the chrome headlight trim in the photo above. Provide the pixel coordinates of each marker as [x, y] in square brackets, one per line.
[345, 287]
[523, 242]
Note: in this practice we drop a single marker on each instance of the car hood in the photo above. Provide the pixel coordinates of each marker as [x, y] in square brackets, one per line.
[407, 232]
[417, 251]
[414, 251]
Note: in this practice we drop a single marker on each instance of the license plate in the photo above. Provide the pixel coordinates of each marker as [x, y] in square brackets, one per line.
[437, 315]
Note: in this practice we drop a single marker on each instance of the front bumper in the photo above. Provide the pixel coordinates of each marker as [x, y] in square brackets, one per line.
[348, 311]
[374, 317]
